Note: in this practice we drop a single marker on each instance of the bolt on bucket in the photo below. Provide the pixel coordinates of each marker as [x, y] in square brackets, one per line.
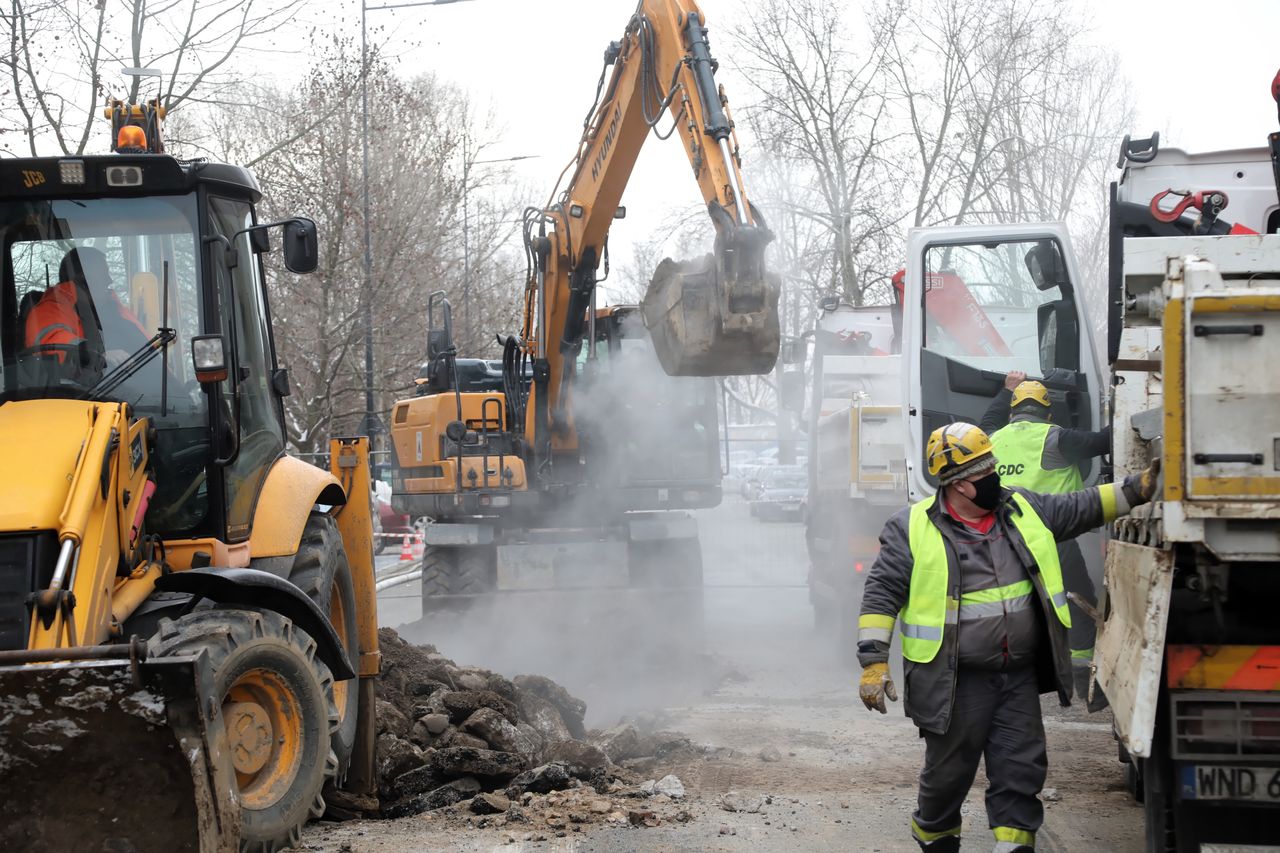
[707, 319]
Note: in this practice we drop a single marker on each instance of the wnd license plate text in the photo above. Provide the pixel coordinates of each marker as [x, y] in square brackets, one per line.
[1224, 782]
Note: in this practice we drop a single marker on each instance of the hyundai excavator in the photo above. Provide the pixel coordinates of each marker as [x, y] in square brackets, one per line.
[188, 636]
[580, 472]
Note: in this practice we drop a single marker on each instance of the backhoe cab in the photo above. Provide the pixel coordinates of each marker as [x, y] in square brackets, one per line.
[187, 623]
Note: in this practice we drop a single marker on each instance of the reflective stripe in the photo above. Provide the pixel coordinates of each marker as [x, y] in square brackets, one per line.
[986, 609]
[926, 837]
[1008, 847]
[1107, 492]
[875, 626]
[1082, 654]
[1014, 836]
[880, 635]
[996, 601]
[997, 593]
[1059, 599]
[922, 632]
[55, 327]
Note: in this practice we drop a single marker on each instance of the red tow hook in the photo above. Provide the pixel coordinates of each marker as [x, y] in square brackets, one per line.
[1210, 202]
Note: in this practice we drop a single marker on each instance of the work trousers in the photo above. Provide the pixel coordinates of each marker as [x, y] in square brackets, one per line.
[996, 716]
[1075, 578]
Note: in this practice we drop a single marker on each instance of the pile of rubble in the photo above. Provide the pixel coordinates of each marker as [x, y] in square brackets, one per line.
[466, 737]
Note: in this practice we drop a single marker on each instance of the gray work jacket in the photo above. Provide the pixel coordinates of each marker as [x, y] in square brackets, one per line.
[929, 688]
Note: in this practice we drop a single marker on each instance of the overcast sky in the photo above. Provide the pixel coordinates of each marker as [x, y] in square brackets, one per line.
[1201, 73]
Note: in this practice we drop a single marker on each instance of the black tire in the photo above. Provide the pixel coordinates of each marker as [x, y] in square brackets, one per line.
[1157, 795]
[466, 571]
[321, 570]
[260, 657]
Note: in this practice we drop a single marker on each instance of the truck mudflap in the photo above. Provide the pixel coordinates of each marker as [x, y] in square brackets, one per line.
[1129, 653]
[113, 754]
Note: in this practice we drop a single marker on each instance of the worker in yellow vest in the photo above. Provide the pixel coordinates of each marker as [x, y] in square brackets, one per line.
[1041, 456]
[972, 575]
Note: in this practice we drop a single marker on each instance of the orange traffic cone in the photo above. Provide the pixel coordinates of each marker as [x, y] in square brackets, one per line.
[406, 549]
[419, 546]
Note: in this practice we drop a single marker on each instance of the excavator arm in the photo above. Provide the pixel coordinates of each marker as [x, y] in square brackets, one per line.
[714, 316]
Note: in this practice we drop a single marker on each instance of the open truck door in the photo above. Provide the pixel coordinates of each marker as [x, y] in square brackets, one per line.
[980, 301]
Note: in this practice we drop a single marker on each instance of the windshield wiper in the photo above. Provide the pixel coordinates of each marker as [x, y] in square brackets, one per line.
[140, 358]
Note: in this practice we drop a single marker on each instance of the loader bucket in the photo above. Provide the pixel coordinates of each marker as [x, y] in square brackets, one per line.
[114, 755]
[705, 321]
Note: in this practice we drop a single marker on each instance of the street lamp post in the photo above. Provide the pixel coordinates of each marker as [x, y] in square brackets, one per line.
[372, 425]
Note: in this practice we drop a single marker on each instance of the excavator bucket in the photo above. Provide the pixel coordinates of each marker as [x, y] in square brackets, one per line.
[708, 320]
[114, 755]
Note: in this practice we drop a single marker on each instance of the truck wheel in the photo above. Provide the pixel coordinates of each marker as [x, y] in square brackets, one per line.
[1157, 799]
[320, 569]
[276, 702]
[455, 571]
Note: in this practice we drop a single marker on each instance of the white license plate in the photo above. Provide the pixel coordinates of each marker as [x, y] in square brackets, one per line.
[1227, 782]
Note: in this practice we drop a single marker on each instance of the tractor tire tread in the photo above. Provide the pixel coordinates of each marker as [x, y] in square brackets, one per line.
[221, 632]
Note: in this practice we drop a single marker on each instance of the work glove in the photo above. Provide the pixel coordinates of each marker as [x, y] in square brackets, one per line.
[1148, 480]
[875, 685]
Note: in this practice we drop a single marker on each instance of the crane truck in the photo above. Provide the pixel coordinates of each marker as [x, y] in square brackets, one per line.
[1189, 647]
[581, 473]
[188, 634]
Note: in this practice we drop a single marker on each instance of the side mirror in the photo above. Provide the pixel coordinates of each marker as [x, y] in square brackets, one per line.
[791, 390]
[208, 354]
[1044, 263]
[439, 335]
[301, 246]
[1059, 336]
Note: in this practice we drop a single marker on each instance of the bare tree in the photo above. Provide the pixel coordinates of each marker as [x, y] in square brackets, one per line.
[63, 56]
[822, 110]
[305, 147]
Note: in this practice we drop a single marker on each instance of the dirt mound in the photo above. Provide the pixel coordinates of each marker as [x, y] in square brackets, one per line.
[471, 739]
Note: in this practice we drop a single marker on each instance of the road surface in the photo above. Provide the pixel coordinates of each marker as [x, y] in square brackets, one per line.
[846, 778]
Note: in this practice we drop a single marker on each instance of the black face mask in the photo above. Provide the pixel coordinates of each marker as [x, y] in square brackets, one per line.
[986, 491]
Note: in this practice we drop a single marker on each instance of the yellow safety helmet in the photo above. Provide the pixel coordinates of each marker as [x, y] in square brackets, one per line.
[1030, 391]
[958, 449]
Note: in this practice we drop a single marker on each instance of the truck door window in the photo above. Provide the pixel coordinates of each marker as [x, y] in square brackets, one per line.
[981, 302]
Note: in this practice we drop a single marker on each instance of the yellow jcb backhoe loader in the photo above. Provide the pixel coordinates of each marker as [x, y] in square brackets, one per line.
[188, 633]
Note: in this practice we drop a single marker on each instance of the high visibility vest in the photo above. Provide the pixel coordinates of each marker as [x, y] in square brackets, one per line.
[1019, 449]
[930, 608]
[55, 318]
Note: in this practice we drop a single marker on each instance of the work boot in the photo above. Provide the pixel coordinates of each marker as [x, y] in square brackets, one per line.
[949, 844]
